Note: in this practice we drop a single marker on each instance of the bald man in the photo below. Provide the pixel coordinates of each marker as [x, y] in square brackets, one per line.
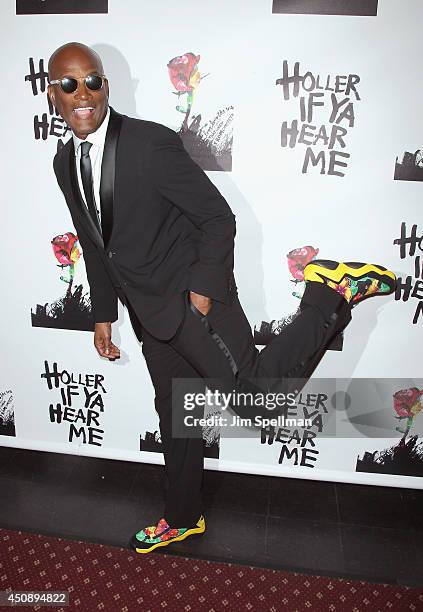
[158, 236]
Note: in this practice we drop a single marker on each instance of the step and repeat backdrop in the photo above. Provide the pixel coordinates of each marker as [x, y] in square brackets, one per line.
[306, 114]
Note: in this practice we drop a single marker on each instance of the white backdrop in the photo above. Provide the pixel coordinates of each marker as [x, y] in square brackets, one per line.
[278, 208]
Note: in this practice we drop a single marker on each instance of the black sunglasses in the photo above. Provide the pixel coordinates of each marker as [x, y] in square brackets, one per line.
[70, 84]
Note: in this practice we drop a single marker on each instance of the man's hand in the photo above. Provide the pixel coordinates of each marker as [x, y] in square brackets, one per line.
[103, 341]
[202, 303]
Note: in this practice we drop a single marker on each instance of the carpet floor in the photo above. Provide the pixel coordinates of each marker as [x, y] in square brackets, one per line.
[100, 577]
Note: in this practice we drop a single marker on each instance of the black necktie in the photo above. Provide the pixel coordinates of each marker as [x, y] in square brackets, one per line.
[87, 182]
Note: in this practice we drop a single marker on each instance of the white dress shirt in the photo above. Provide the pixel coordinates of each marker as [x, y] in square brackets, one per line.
[97, 140]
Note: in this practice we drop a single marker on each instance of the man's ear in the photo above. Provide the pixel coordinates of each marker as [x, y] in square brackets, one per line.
[51, 94]
[106, 86]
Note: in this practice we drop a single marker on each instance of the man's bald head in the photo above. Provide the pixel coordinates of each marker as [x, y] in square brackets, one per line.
[85, 108]
[70, 51]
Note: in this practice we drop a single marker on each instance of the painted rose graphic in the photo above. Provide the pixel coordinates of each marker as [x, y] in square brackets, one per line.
[183, 72]
[67, 254]
[407, 405]
[405, 457]
[73, 309]
[185, 77]
[298, 259]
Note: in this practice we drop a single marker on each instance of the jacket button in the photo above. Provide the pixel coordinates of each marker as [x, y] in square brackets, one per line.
[110, 254]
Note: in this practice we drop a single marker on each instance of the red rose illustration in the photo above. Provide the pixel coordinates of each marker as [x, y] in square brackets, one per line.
[407, 402]
[298, 259]
[64, 249]
[183, 71]
[67, 254]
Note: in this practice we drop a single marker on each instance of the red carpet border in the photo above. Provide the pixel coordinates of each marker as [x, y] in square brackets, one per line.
[100, 577]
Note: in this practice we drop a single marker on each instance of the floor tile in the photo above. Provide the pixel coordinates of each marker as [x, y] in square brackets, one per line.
[102, 518]
[413, 504]
[303, 499]
[377, 552]
[6, 456]
[38, 466]
[413, 569]
[370, 505]
[234, 536]
[6, 452]
[236, 492]
[103, 475]
[26, 504]
[297, 544]
[148, 483]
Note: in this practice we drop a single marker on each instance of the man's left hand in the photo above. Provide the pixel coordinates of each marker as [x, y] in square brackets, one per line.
[201, 302]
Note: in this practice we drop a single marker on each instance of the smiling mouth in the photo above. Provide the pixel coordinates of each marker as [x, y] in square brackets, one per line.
[83, 111]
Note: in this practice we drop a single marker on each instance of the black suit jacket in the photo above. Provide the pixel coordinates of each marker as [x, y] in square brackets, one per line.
[170, 229]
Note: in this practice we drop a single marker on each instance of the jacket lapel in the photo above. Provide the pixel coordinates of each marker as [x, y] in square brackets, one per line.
[108, 168]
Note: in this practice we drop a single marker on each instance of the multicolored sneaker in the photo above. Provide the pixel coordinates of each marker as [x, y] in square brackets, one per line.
[150, 538]
[354, 281]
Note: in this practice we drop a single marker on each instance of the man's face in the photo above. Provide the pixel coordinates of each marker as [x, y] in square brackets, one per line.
[84, 109]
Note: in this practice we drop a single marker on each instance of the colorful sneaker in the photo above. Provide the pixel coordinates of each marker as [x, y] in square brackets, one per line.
[354, 281]
[150, 538]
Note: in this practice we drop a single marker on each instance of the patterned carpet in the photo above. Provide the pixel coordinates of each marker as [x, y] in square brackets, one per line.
[114, 579]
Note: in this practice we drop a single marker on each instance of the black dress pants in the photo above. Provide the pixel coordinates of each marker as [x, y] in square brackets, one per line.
[221, 346]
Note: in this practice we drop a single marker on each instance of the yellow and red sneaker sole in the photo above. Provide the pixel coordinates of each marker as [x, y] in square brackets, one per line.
[195, 531]
[321, 270]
